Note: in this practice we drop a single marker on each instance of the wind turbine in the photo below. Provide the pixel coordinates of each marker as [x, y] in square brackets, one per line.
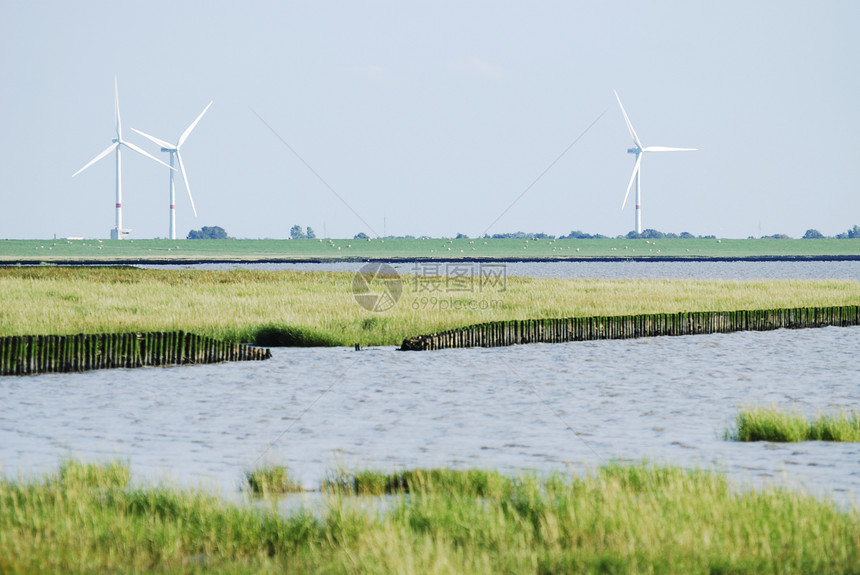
[118, 232]
[637, 167]
[174, 151]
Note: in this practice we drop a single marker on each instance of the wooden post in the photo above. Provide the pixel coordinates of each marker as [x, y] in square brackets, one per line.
[33, 361]
[129, 348]
[120, 350]
[15, 352]
[74, 340]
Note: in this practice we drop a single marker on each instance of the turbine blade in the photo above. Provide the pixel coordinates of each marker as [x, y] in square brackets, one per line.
[665, 149]
[187, 131]
[147, 154]
[116, 109]
[154, 140]
[185, 177]
[632, 177]
[629, 124]
[109, 149]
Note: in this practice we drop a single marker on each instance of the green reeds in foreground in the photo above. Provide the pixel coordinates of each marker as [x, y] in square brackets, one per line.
[619, 519]
[271, 479]
[775, 424]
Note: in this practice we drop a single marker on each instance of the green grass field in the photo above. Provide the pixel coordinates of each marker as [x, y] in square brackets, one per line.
[35, 251]
[318, 308]
[637, 518]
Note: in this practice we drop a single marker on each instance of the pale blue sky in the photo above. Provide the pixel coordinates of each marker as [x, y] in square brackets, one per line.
[431, 118]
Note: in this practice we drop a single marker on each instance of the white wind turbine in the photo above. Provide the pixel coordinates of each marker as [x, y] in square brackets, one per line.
[118, 232]
[174, 151]
[637, 167]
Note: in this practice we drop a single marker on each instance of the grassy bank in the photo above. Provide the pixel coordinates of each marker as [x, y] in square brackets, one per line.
[778, 425]
[256, 250]
[620, 519]
[318, 308]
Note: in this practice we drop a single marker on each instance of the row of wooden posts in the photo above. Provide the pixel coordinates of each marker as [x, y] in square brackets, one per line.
[501, 333]
[33, 354]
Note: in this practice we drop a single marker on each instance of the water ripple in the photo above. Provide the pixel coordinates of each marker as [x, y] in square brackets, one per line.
[544, 407]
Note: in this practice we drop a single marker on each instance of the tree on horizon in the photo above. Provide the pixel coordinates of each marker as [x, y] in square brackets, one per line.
[208, 233]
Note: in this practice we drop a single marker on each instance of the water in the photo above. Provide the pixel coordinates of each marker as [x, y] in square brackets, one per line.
[545, 407]
[735, 270]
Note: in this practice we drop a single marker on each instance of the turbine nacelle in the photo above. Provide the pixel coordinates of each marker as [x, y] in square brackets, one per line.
[173, 150]
[118, 232]
[638, 150]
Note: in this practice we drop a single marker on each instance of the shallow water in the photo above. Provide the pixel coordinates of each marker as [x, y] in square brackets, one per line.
[542, 407]
[738, 270]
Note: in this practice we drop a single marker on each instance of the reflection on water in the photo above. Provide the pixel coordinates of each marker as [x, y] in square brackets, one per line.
[540, 407]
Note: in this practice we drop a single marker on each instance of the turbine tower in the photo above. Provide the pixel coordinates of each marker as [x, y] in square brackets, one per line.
[637, 167]
[174, 151]
[118, 233]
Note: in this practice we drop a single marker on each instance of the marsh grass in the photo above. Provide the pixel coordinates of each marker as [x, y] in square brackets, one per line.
[317, 308]
[271, 480]
[370, 482]
[636, 518]
[778, 425]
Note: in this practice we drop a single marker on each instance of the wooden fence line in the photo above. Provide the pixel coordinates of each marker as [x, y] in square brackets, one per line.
[34, 354]
[512, 332]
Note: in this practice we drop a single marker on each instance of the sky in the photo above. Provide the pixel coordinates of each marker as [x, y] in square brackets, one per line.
[432, 118]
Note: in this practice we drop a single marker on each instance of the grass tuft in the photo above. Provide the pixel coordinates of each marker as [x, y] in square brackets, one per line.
[777, 425]
[111, 475]
[269, 480]
[471, 482]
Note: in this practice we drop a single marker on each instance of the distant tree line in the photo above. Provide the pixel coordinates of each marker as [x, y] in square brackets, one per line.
[208, 233]
[651, 234]
[519, 236]
[813, 234]
[580, 235]
[851, 234]
[297, 233]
